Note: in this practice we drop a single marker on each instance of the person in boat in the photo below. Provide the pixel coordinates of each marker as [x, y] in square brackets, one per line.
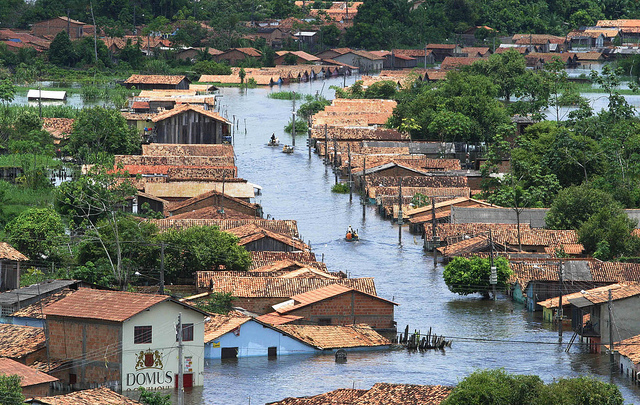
[273, 138]
[350, 233]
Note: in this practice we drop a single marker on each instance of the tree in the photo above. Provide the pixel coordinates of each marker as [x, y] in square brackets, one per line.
[36, 233]
[11, 390]
[574, 206]
[579, 391]
[7, 91]
[330, 35]
[385, 89]
[468, 276]
[609, 233]
[98, 132]
[290, 59]
[101, 195]
[61, 51]
[242, 75]
[201, 248]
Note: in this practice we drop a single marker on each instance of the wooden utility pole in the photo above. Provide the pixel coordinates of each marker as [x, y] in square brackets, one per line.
[363, 180]
[433, 231]
[400, 213]
[350, 177]
[610, 307]
[560, 311]
[326, 145]
[161, 268]
[293, 122]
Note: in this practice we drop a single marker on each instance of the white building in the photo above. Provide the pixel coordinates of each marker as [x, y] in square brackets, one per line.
[124, 340]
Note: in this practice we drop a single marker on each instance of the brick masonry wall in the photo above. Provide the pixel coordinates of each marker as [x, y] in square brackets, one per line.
[175, 160]
[89, 345]
[40, 390]
[350, 308]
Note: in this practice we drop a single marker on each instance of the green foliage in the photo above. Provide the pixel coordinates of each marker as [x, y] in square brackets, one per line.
[11, 390]
[301, 126]
[153, 398]
[36, 233]
[385, 89]
[574, 205]
[420, 200]
[468, 276]
[7, 91]
[210, 67]
[216, 302]
[290, 59]
[32, 276]
[201, 249]
[609, 233]
[61, 51]
[285, 95]
[497, 387]
[100, 130]
[340, 188]
[312, 106]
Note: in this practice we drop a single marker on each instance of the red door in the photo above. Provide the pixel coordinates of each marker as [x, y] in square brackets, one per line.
[187, 380]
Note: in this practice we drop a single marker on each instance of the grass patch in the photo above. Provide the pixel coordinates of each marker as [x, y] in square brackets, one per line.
[285, 95]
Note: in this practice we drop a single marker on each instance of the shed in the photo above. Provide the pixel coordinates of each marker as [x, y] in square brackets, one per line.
[189, 124]
[10, 260]
[36, 94]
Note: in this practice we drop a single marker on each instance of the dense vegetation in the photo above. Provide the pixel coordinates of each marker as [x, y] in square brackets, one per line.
[497, 387]
[378, 24]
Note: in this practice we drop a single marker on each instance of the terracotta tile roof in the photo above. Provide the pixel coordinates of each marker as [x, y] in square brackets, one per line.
[115, 306]
[140, 105]
[555, 301]
[568, 248]
[102, 396]
[253, 233]
[383, 394]
[209, 213]
[36, 310]
[315, 296]
[344, 396]
[204, 196]
[169, 149]
[433, 74]
[59, 128]
[247, 51]
[629, 348]
[300, 54]
[618, 23]
[28, 375]
[201, 161]
[186, 172]
[465, 246]
[473, 50]
[47, 366]
[219, 325]
[428, 180]
[280, 265]
[448, 231]
[441, 46]
[576, 269]
[519, 49]
[274, 318]
[275, 287]
[537, 39]
[413, 53]
[155, 79]
[549, 56]
[284, 227]
[8, 252]
[622, 291]
[336, 337]
[129, 116]
[18, 341]
[264, 258]
[308, 272]
[590, 56]
[451, 62]
[180, 108]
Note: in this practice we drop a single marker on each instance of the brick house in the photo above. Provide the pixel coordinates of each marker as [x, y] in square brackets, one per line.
[215, 198]
[51, 28]
[33, 382]
[10, 260]
[441, 51]
[124, 340]
[339, 305]
[188, 124]
[273, 35]
[235, 55]
[24, 344]
[259, 294]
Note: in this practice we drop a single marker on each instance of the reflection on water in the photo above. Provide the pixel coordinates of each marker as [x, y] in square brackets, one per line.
[486, 334]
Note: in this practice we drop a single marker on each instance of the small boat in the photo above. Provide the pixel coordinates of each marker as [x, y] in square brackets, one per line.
[287, 149]
[274, 142]
[351, 236]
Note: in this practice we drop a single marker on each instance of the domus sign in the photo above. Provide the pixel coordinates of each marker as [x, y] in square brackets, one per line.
[149, 371]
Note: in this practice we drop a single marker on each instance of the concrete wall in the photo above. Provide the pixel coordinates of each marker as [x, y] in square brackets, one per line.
[625, 319]
[531, 216]
[254, 340]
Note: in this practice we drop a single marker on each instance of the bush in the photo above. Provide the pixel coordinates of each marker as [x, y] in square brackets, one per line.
[340, 188]
[285, 95]
[301, 127]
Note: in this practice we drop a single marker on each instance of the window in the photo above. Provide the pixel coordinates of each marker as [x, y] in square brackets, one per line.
[229, 353]
[272, 351]
[187, 332]
[141, 334]
[324, 321]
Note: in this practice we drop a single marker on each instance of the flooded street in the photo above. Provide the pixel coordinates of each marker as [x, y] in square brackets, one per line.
[485, 334]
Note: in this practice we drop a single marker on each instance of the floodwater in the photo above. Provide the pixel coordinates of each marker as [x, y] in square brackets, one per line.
[485, 334]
